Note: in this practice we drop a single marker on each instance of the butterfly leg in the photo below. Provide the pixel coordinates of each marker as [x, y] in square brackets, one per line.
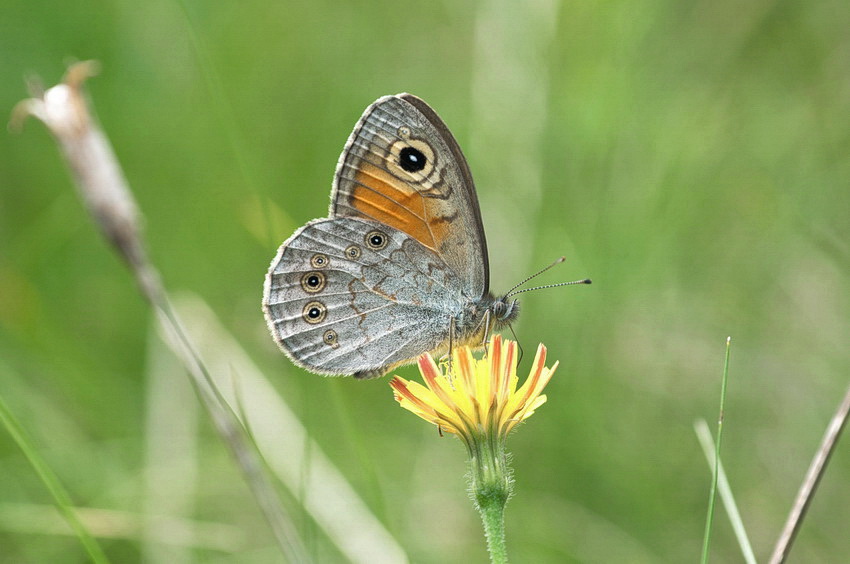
[486, 334]
[451, 341]
[518, 344]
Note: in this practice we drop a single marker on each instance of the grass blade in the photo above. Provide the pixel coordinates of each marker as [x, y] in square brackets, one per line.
[51, 481]
[725, 491]
[713, 495]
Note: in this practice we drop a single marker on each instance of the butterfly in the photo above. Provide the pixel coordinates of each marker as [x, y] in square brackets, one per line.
[399, 267]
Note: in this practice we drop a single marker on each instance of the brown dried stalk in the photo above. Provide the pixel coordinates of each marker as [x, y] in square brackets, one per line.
[810, 482]
[105, 192]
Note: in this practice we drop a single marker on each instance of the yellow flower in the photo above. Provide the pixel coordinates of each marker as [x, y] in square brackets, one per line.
[479, 397]
[478, 400]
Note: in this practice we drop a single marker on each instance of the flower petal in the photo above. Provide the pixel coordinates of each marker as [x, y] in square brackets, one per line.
[477, 399]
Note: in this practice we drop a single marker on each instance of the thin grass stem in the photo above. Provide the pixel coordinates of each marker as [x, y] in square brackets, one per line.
[707, 443]
[706, 543]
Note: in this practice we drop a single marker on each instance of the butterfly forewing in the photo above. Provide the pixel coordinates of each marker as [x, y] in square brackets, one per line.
[403, 168]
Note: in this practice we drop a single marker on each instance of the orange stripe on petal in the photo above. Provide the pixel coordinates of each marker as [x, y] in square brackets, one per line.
[464, 383]
[508, 371]
[434, 378]
[498, 382]
[495, 363]
[529, 388]
[464, 365]
[404, 393]
[428, 368]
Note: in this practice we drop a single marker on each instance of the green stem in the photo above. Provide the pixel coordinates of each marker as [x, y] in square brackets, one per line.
[706, 543]
[493, 516]
[490, 488]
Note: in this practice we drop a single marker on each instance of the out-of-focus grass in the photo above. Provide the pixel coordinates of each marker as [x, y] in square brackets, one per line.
[693, 161]
[60, 497]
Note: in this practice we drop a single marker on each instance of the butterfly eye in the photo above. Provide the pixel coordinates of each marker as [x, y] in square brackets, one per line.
[352, 252]
[376, 240]
[314, 312]
[330, 338]
[319, 260]
[313, 282]
[411, 159]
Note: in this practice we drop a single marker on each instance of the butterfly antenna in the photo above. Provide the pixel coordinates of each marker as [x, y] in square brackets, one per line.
[535, 275]
[574, 282]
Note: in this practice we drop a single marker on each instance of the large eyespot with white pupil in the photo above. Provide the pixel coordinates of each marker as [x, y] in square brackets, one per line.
[331, 339]
[352, 252]
[376, 240]
[314, 312]
[313, 282]
[320, 260]
[412, 159]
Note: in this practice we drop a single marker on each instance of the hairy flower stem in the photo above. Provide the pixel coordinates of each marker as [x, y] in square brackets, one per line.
[493, 516]
[491, 487]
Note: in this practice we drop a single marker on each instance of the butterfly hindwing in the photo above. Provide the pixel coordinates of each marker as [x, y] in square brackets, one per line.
[346, 293]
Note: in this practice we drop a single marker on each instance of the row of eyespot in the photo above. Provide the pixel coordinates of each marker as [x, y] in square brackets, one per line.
[313, 282]
[375, 240]
[315, 312]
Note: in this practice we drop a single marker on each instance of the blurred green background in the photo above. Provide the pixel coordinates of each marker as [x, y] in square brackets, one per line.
[693, 158]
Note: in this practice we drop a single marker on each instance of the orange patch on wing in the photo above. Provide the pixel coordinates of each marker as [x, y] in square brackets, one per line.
[383, 197]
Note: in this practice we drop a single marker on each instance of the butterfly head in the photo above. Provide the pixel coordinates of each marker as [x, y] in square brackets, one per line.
[504, 310]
